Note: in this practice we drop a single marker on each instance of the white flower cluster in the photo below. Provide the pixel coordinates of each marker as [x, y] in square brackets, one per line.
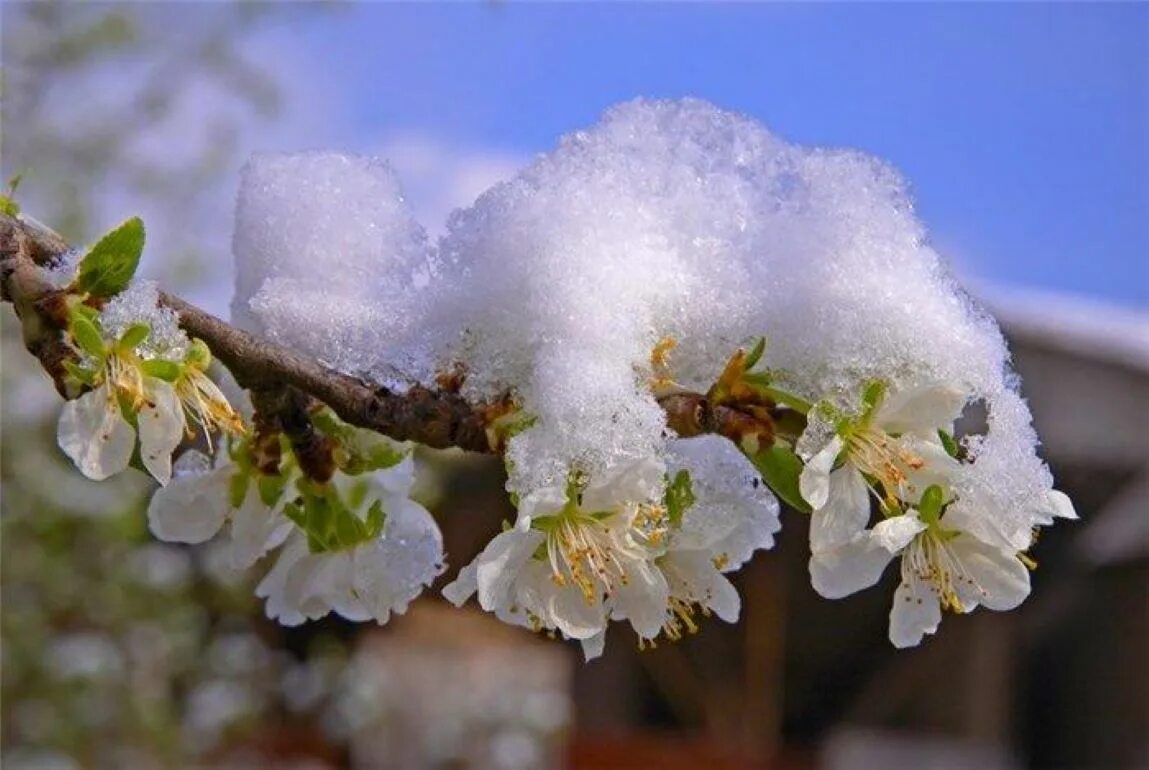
[668, 225]
[356, 545]
[144, 377]
[954, 553]
[626, 547]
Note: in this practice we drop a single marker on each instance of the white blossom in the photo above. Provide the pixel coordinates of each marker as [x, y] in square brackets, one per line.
[370, 579]
[198, 502]
[732, 516]
[619, 551]
[895, 442]
[942, 567]
[94, 432]
[571, 550]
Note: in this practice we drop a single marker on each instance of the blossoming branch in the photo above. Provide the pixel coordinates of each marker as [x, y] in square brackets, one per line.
[663, 326]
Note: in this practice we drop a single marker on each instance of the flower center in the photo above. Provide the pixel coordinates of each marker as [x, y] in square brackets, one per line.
[126, 379]
[207, 404]
[930, 558]
[878, 454]
[582, 550]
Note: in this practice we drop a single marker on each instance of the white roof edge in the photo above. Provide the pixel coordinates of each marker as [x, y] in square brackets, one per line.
[1072, 323]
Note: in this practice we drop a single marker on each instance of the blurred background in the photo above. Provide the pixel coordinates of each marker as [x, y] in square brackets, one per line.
[1024, 132]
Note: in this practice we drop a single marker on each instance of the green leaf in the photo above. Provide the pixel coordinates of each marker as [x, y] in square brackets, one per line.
[296, 513]
[953, 449]
[80, 374]
[679, 497]
[930, 508]
[199, 354]
[135, 334]
[349, 530]
[375, 519]
[780, 469]
[9, 206]
[237, 489]
[872, 397]
[320, 517]
[169, 371]
[756, 353]
[108, 267]
[761, 382]
[363, 450]
[270, 488]
[87, 336]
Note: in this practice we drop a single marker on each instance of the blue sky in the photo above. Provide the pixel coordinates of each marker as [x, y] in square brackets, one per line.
[1023, 129]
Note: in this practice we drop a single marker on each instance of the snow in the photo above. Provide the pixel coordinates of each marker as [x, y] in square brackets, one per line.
[666, 219]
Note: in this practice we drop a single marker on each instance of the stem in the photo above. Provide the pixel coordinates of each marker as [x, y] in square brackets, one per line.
[436, 417]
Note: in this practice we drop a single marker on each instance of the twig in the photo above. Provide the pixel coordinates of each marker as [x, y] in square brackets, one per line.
[438, 418]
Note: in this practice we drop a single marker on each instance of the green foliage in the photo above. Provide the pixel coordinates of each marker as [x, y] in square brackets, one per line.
[780, 469]
[679, 496]
[87, 336]
[359, 450]
[930, 508]
[109, 266]
[169, 371]
[134, 335]
[330, 525]
[8, 204]
[952, 447]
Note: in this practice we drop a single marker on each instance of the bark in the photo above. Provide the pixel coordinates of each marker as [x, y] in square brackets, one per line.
[436, 417]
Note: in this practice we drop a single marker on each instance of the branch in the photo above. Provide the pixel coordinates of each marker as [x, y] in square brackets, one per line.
[438, 418]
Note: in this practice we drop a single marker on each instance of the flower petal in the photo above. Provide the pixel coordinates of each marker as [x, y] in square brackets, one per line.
[499, 564]
[273, 587]
[94, 434]
[814, 481]
[694, 579]
[634, 482]
[915, 613]
[897, 532]
[255, 530]
[593, 647]
[849, 568]
[937, 467]
[994, 578]
[921, 410]
[391, 571]
[161, 422]
[542, 502]
[845, 512]
[573, 615]
[191, 508]
[643, 598]
[734, 513]
[463, 587]
[398, 479]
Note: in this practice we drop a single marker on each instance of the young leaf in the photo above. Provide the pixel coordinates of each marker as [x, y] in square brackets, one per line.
[87, 336]
[270, 488]
[135, 334]
[930, 508]
[349, 530]
[756, 353]
[294, 512]
[872, 397]
[237, 489]
[108, 267]
[952, 447]
[9, 206]
[375, 519]
[780, 469]
[679, 497]
[169, 371]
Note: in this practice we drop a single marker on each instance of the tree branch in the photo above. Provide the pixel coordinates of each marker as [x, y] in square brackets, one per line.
[438, 418]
